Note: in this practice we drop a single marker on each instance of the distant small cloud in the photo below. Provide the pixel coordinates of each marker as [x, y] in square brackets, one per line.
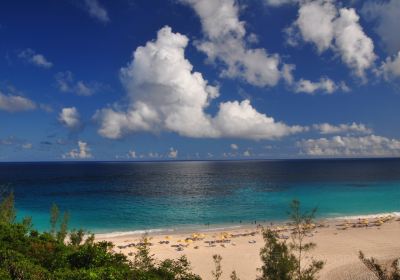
[15, 103]
[154, 155]
[247, 153]
[34, 58]
[132, 154]
[350, 146]
[66, 82]
[326, 128]
[96, 11]
[27, 146]
[70, 118]
[325, 85]
[173, 153]
[234, 146]
[83, 152]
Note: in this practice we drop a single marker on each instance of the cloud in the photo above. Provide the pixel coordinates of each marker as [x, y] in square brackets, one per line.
[320, 22]
[166, 94]
[27, 146]
[225, 42]
[154, 155]
[324, 84]
[132, 154]
[96, 11]
[390, 69]
[247, 153]
[234, 146]
[83, 152]
[385, 15]
[280, 2]
[339, 146]
[70, 118]
[15, 103]
[34, 58]
[240, 120]
[326, 128]
[66, 83]
[315, 23]
[173, 153]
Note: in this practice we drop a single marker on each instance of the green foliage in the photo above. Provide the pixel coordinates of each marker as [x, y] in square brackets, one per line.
[381, 273]
[278, 261]
[301, 222]
[62, 233]
[76, 237]
[218, 270]
[26, 254]
[54, 214]
[286, 261]
[146, 267]
[7, 209]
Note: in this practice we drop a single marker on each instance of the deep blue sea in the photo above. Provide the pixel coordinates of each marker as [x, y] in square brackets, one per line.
[120, 196]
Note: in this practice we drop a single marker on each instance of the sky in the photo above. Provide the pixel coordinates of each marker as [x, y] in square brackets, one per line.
[199, 79]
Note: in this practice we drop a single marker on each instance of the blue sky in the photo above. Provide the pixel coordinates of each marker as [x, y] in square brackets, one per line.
[198, 79]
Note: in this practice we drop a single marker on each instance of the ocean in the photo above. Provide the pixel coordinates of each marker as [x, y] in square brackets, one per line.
[111, 197]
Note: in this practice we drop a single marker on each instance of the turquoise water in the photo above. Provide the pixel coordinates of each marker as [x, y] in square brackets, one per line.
[114, 197]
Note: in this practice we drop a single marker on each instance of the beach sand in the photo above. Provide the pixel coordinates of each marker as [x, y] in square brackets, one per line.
[337, 247]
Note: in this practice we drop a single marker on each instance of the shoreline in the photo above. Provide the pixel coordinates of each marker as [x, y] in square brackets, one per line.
[230, 226]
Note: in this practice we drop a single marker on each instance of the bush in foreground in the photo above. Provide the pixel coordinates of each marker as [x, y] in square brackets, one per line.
[26, 254]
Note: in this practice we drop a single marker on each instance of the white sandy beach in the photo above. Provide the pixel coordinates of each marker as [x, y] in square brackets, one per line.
[338, 247]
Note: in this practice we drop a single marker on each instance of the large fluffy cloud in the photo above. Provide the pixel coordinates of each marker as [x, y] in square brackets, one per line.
[339, 146]
[320, 22]
[15, 103]
[225, 42]
[315, 22]
[240, 120]
[165, 93]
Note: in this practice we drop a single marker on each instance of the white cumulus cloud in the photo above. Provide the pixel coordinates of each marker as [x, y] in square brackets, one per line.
[348, 146]
[83, 152]
[390, 69]
[325, 85]
[326, 128]
[70, 118]
[166, 94]
[173, 153]
[326, 26]
[225, 42]
[234, 146]
[132, 154]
